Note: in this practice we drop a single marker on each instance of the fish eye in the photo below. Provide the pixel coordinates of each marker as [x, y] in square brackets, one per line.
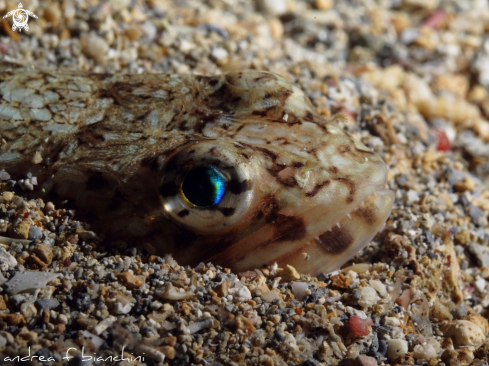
[204, 186]
[207, 186]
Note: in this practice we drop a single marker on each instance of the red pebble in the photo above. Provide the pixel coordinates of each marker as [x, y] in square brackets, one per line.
[247, 274]
[442, 142]
[67, 262]
[435, 19]
[26, 215]
[360, 326]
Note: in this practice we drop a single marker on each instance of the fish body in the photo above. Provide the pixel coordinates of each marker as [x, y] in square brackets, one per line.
[236, 169]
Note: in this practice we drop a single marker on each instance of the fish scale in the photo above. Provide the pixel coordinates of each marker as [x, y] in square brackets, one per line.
[118, 148]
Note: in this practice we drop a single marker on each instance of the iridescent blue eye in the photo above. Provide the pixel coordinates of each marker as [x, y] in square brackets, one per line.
[204, 186]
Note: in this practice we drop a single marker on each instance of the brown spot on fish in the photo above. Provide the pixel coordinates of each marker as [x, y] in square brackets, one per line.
[366, 214]
[333, 170]
[343, 149]
[289, 228]
[350, 184]
[309, 116]
[317, 188]
[268, 208]
[335, 241]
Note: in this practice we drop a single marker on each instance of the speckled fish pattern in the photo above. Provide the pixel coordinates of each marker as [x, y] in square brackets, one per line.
[298, 189]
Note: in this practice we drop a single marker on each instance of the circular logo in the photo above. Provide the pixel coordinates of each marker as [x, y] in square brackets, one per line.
[20, 18]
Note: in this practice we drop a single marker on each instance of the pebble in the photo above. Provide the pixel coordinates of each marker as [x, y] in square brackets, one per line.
[29, 280]
[202, 324]
[392, 321]
[3, 341]
[361, 360]
[35, 233]
[240, 294]
[96, 47]
[396, 347]
[7, 196]
[481, 253]
[464, 333]
[428, 350]
[63, 319]
[28, 310]
[219, 55]
[21, 231]
[14, 319]
[273, 7]
[104, 324]
[244, 324]
[440, 312]
[4, 175]
[460, 311]
[271, 295]
[289, 274]
[299, 289]
[379, 287]
[7, 261]
[37, 158]
[171, 293]
[129, 280]
[81, 301]
[47, 304]
[44, 253]
[96, 342]
[368, 296]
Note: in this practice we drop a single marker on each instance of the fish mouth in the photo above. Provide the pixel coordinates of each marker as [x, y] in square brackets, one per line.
[329, 250]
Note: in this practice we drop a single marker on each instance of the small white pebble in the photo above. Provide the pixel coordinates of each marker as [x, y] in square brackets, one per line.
[96, 47]
[4, 175]
[219, 54]
[62, 319]
[28, 185]
[241, 294]
[37, 158]
[369, 297]
[396, 347]
[412, 196]
[428, 350]
[393, 322]
[480, 284]
[299, 289]
[379, 287]
[274, 7]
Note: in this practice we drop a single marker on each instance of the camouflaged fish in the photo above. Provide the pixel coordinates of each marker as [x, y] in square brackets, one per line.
[236, 169]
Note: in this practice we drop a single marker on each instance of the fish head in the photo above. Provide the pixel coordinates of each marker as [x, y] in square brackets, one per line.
[268, 180]
[237, 169]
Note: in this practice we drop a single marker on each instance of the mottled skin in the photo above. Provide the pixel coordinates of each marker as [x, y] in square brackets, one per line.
[117, 147]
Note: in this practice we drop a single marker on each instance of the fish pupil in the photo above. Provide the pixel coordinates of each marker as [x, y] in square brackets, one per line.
[204, 186]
